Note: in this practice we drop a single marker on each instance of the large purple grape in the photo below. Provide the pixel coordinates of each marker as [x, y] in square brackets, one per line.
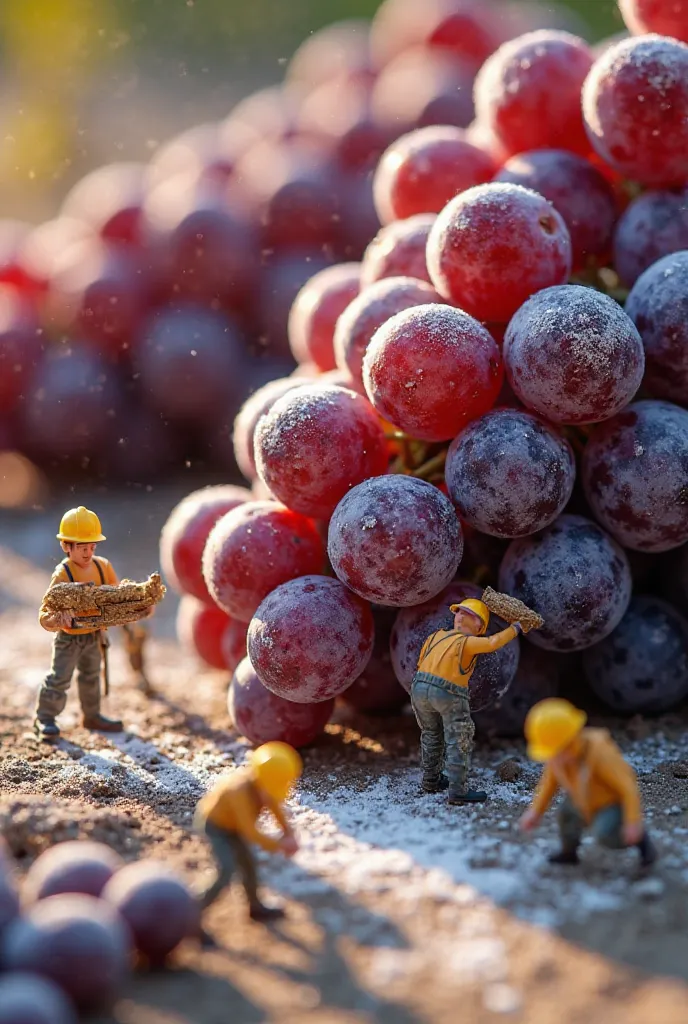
[28, 999]
[493, 672]
[79, 867]
[156, 904]
[395, 540]
[509, 474]
[643, 665]
[262, 716]
[635, 473]
[310, 638]
[377, 689]
[79, 942]
[575, 576]
[654, 225]
[9, 900]
[537, 677]
[572, 355]
[658, 306]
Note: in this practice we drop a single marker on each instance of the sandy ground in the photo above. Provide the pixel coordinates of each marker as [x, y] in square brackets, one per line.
[400, 908]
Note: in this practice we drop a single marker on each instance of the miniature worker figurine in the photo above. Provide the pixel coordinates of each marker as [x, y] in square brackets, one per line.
[227, 815]
[600, 787]
[73, 648]
[439, 696]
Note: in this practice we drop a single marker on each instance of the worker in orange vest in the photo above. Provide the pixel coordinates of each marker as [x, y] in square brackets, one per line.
[600, 786]
[439, 697]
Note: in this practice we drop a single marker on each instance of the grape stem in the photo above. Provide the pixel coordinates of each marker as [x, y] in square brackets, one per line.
[432, 467]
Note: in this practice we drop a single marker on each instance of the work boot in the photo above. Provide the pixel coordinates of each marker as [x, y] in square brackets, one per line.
[437, 785]
[102, 724]
[46, 729]
[564, 857]
[470, 796]
[259, 912]
[648, 851]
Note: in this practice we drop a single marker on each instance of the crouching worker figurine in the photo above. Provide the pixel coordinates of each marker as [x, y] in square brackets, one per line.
[600, 787]
[228, 816]
[81, 650]
[439, 696]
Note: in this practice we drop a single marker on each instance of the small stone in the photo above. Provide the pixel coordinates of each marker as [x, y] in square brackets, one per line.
[680, 770]
[650, 888]
[509, 770]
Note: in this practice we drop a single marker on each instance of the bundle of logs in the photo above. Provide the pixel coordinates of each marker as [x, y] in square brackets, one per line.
[512, 610]
[99, 607]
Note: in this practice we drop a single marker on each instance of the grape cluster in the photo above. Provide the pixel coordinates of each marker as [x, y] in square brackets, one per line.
[479, 399]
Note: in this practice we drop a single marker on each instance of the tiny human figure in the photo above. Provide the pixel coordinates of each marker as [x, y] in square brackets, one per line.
[227, 815]
[600, 786]
[77, 649]
[439, 697]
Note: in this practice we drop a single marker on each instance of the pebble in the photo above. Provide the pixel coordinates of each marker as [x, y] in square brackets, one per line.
[650, 888]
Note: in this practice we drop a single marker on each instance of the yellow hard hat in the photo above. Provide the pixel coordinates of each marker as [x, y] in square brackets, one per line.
[81, 526]
[479, 608]
[550, 726]
[277, 766]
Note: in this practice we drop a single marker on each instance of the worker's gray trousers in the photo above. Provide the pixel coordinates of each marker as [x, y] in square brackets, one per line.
[72, 652]
[446, 729]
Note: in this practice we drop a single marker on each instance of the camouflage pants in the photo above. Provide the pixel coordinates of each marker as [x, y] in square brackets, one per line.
[446, 731]
[80, 652]
[230, 852]
[606, 826]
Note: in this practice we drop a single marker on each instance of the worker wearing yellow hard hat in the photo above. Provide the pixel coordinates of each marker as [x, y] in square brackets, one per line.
[75, 649]
[600, 786]
[228, 816]
[440, 699]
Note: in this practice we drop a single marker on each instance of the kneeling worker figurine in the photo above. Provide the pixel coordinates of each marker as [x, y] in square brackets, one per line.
[601, 788]
[228, 816]
[439, 696]
[74, 648]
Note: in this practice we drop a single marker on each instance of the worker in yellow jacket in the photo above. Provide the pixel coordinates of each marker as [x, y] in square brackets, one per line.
[439, 697]
[228, 817]
[600, 786]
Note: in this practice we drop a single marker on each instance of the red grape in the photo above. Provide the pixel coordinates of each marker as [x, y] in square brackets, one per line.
[398, 250]
[642, 667]
[245, 424]
[575, 576]
[658, 306]
[141, 446]
[634, 103]
[510, 474]
[493, 672]
[201, 628]
[189, 361]
[75, 866]
[110, 200]
[27, 999]
[358, 219]
[635, 472]
[577, 190]
[262, 716]
[186, 531]
[528, 92]
[493, 246]
[282, 277]
[430, 370]
[482, 136]
[467, 29]
[572, 355]
[316, 310]
[423, 87]
[665, 17]
[310, 638]
[395, 540]
[654, 225]
[377, 689]
[42, 247]
[13, 237]
[339, 114]
[373, 307]
[269, 113]
[207, 152]
[100, 292]
[423, 170]
[233, 643]
[537, 677]
[317, 442]
[20, 348]
[253, 549]
[337, 51]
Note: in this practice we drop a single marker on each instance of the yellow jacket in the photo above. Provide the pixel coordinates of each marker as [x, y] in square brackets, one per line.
[89, 575]
[597, 780]
[452, 656]
[236, 803]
